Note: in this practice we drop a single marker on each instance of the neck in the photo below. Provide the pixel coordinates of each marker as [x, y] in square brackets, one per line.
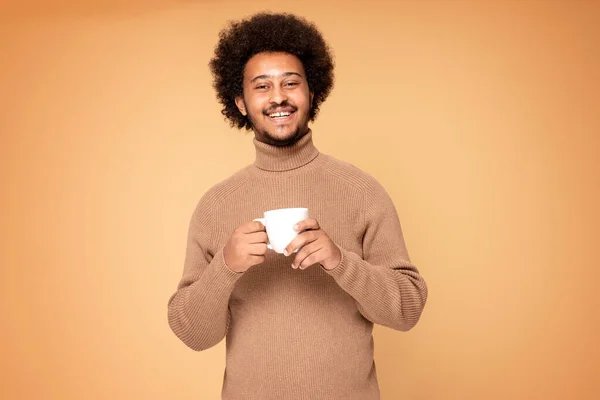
[272, 157]
[268, 139]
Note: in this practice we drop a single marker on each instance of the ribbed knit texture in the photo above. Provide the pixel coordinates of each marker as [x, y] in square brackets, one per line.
[297, 334]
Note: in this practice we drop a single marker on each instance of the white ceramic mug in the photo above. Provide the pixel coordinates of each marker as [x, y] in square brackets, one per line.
[280, 226]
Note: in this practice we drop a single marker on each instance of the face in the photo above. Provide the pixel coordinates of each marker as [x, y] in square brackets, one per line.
[276, 98]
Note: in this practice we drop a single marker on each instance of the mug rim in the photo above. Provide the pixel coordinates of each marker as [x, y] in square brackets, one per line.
[277, 210]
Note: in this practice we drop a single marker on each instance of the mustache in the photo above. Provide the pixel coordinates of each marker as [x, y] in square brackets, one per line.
[284, 105]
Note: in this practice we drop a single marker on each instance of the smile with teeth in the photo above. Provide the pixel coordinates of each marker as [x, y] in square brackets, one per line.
[280, 114]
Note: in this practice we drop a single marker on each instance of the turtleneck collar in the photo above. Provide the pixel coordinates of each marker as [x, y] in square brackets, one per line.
[273, 158]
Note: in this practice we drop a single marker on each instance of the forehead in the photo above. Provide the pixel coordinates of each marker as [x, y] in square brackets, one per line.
[272, 64]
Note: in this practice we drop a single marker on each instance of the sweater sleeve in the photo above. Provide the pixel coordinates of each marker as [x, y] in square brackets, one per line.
[387, 287]
[198, 312]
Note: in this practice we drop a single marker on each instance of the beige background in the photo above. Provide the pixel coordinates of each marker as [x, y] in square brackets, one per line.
[480, 118]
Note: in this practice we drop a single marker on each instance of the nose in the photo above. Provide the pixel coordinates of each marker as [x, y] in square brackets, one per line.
[278, 95]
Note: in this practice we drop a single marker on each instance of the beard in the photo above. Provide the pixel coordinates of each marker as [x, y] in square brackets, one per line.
[289, 140]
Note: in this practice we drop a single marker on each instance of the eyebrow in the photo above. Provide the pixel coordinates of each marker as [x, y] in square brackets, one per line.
[285, 74]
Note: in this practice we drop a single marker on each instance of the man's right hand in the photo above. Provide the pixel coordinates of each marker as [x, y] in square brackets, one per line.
[246, 247]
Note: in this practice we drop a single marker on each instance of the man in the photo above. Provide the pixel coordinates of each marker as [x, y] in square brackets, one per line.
[297, 325]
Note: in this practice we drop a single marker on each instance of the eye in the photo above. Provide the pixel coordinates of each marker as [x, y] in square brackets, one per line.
[291, 84]
[261, 86]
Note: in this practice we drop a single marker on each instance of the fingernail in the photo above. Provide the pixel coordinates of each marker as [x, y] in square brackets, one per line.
[293, 266]
[296, 226]
[285, 252]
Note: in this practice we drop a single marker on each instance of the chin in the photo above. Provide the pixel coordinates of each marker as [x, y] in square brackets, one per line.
[283, 139]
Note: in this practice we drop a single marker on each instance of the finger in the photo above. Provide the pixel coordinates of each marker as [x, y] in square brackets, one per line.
[257, 249]
[304, 252]
[257, 237]
[308, 256]
[309, 223]
[300, 241]
[251, 227]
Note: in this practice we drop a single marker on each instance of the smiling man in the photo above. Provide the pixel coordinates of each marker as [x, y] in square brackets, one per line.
[298, 325]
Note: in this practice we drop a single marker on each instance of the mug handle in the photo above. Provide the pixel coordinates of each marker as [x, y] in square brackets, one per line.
[263, 221]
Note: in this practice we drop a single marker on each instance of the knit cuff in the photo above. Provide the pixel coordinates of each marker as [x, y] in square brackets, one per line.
[340, 269]
[222, 272]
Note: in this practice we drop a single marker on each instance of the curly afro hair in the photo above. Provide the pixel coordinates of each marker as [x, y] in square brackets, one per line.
[267, 32]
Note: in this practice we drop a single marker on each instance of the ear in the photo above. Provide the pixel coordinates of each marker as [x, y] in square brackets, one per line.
[312, 95]
[241, 105]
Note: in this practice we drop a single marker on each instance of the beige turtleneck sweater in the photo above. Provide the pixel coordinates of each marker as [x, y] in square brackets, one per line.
[297, 334]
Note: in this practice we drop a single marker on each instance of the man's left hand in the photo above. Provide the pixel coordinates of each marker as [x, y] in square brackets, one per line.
[315, 247]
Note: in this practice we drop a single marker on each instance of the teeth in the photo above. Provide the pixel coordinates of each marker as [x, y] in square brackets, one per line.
[279, 114]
